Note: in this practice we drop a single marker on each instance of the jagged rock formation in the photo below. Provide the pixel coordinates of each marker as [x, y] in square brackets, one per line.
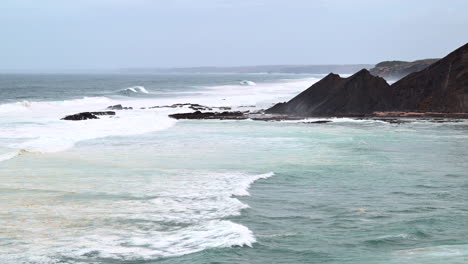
[394, 70]
[441, 87]
[359, 94]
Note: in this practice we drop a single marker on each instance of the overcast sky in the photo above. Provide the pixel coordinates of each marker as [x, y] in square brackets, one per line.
[109, 34]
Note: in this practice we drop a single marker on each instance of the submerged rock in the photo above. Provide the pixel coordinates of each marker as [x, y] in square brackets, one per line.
[189, 105]
[320, 122]
[87, 115]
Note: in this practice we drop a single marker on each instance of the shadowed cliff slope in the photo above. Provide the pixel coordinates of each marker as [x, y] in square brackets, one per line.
[359, 94]
[394, 70]
[441, 87]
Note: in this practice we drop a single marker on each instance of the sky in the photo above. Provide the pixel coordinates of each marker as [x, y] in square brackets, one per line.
[112, 34]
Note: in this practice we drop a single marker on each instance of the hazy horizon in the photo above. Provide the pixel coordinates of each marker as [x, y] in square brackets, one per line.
[54, 35]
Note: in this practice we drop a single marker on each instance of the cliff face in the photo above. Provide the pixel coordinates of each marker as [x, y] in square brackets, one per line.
[441, 87]
[398, 69]
[359, 94]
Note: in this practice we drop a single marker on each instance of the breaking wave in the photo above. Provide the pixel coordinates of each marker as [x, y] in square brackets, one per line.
[134, 90]
[183, 214]
[247, 83]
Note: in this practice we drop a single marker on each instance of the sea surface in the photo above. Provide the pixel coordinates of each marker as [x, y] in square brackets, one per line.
[140, 187]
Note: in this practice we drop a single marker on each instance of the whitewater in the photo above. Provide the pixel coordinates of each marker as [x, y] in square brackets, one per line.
[140, 187]
[36, 125]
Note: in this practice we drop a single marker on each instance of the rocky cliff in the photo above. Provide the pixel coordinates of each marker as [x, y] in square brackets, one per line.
[394, 70]
[441, 87]
[359, 94]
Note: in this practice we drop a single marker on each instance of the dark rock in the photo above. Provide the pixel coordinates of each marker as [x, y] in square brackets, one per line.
[211, 115]
[399, 69]
[115, 107]
[439, 90]
[80, 116]
[358, 95]
[392, 120]
[87, 115]
[320, 122]
[103, 113]
[224, 108]
[442, 87]
[189, 105]
[118, 107]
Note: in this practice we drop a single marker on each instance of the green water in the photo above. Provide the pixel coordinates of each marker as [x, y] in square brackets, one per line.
[342, 192]
[141, 187]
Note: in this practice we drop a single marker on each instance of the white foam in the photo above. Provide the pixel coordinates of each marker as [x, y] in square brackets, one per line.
[53, 134]
[246, 82]
[434, 254]
[262, 95]
[134, 89]
[37, 125]
[9, 155]
[143, 245]
[186, 217]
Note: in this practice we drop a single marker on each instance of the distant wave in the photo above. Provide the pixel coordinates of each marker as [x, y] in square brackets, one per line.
[134, 90]
[11, 155]
[247, 83]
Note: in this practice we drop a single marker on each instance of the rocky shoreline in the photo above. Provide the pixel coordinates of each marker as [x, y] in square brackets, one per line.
[389, 117]
[261, 115]
[438, 93]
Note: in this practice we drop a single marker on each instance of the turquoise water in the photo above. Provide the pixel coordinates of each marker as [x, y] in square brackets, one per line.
[231, 191]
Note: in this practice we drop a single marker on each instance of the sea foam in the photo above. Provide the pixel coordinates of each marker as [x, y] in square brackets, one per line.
[186, 217]
[36, 125]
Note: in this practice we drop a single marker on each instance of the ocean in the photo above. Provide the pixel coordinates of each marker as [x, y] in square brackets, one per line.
[140, 187]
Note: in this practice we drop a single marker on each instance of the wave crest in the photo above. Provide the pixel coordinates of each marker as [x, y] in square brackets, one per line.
[247, 83]
[14, 154]
[134, 90]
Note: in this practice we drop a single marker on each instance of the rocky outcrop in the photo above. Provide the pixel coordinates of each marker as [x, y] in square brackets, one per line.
[441, 87]
[357, 95]
[189, 105]
[394, 70]
[87, 115]
[196, 107]
[118, 107]
[211, 115]
[236, 115]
